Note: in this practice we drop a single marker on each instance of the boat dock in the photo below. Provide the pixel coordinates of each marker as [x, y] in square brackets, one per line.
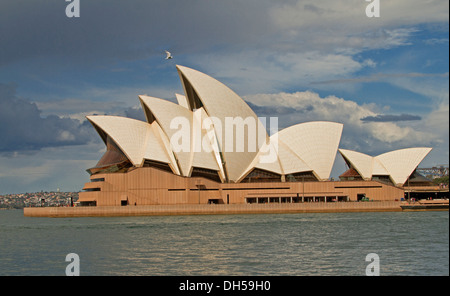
[426, 205]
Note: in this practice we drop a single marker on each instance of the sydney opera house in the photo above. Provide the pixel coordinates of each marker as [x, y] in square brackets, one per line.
[212, 148]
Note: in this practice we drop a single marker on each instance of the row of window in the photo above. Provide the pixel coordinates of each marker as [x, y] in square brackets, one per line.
[295, 199]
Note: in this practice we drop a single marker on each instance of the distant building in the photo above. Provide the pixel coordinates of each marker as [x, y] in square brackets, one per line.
[434, 172]
[212, 148]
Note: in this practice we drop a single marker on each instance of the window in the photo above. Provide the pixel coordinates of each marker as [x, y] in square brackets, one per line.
[383, 179]
[301, 177]
[91, 189]
[114, 160]
[88, 203]
[98, 180]
[206, 173]
[258, 175]
[113, 154]
[157, 164]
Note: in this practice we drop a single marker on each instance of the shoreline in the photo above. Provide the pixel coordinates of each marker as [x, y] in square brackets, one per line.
[426, 205]
[213, 209]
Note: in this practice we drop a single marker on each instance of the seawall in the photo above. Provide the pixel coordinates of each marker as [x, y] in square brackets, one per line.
[214, 209]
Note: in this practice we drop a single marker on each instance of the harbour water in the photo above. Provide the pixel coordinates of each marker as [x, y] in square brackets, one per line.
[326, 244]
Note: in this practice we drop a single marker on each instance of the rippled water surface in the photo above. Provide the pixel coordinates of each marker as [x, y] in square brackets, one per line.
[407, 243]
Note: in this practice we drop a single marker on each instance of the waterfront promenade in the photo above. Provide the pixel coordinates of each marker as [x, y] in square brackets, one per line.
[215, 209]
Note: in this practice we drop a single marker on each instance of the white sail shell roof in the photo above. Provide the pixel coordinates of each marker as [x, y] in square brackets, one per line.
[378, 168]
[164, 112]
[301, 148]
[133, 137]
[315, 143]
[398, 164]
[361, 162]
[401, 163]
[306, 147]
[204, 145]
[178, 122]
[182, 101]
[286, 161]
[290, 162]
[295, 144]
[260, 161]
[164, 142]
[220, 102]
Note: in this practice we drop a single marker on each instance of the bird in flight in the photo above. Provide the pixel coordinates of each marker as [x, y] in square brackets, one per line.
[168, 55]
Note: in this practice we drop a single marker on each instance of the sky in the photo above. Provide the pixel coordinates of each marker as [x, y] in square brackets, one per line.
[385, 78]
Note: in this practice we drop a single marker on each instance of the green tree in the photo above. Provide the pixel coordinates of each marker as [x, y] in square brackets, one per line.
[442, 180]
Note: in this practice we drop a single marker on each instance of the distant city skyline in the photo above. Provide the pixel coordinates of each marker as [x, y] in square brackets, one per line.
[385, 78]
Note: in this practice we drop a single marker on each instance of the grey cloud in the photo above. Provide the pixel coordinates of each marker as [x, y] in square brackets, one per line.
[22, 128]
[313, 8]
[112, 31]
[135, 113]
[358, 136]
[390, 118]
[381, 77]
[116, 30]
[286, 115]
[270, 110]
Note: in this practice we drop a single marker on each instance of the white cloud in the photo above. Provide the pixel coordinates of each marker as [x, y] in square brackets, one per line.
[311, 41]
[369, 137]
[437, 122]
[265, 70]
[49, 168]
[435, 90]
[96, 100]
[343, 23]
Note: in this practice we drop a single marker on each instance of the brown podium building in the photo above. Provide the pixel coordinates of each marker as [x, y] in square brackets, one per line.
[212, 148]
